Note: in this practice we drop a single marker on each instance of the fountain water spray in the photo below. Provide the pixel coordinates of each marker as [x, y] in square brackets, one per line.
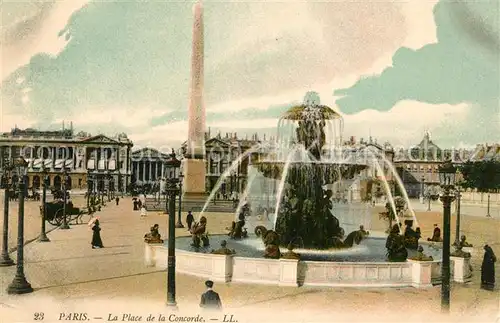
[226, 173]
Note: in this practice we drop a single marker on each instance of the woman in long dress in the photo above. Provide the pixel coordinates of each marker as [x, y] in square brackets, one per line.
[96, 236]
[488, 269]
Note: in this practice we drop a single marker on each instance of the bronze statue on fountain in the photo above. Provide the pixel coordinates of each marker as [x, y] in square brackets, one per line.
[199, 234]
[271, 240]
[411, 236]
[305, 207]
[395, 245]
[153, 236]
[223, 250]
[238, 230]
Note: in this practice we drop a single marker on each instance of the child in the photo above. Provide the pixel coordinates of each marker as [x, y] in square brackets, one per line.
[143, 211]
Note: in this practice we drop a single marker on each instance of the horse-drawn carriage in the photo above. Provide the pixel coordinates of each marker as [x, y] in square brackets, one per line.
[55, 211]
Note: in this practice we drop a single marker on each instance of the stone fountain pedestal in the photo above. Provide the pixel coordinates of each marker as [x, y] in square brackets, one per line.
[462, 272]
[421, 273]
[288, 272]
[150, 253]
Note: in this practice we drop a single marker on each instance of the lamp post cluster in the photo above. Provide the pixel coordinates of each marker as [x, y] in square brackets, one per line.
[19, 284]
[45, 181]
[5, 259]
[173, 187]
[447, 174]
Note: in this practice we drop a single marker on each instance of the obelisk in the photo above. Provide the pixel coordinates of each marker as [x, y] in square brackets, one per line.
[194, 163]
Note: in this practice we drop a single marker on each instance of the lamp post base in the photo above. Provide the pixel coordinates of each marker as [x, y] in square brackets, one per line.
[64, 226]
[19, 286]
[172, 306]
[6, 261]
[179, 225]
[43, 238]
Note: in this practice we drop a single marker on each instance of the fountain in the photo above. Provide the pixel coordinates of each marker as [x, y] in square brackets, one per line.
[303, 209]
[302, 239]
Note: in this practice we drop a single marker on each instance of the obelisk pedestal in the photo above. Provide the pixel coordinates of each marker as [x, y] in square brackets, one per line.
[194, 162]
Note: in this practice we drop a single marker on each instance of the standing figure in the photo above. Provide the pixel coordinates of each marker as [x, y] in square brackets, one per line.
[117, 200]
[488, 269]
[143, 211]
[96, 236]
[189, 220]
[210, 299]
[136, 204]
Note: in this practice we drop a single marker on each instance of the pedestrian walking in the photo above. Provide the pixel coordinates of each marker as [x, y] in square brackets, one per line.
[189, 220]
[488, 269]
[96, 235]
[210, 299]
[117, 200]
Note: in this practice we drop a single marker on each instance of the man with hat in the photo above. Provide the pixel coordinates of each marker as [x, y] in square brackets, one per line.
[210, 299]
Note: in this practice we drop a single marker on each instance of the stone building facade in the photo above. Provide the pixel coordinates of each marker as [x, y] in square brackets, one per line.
[105, 159]
[148, 166]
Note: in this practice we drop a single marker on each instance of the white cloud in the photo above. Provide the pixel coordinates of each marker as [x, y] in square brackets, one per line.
[9, 121]
[128, 117]
[405, 123]
[420, 21]
[245, 124]
[161, 137]
[43, 40]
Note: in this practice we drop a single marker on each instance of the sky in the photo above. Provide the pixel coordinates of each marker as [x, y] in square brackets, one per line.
[392, 69]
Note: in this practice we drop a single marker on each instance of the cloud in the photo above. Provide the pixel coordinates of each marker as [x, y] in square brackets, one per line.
[138, 53]
[33, 27]
[462, 66]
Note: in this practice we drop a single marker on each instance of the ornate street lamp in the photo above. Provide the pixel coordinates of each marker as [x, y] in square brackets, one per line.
[43, 235]
[179, 217]
[5, 259]
[64, 225]
[422, 183]
[172, 190]
[19, 284]
[457, 234]
[89, 185]
[447, 173]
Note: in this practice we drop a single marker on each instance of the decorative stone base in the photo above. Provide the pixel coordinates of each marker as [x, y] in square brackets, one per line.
[469, 250]
[194, 177]
[288, 272]
[150, 254]
[461, 269]
[421, 273]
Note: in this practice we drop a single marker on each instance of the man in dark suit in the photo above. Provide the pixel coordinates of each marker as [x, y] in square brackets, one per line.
[210, 299]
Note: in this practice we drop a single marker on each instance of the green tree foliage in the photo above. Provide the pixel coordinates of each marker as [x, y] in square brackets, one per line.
[481, 175]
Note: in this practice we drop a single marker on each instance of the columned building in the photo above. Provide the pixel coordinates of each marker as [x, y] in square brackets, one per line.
[105, 159]
[148, 166]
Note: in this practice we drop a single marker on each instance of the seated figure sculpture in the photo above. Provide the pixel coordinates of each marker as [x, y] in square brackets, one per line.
[436, 234]
[352, 238]
[460, 253]
[153, 236]
[237, 230]
[420, 256]
[224, 250]
[199, 234]
[396, 250]
[271, 240]
[411, 236]
[463, 243]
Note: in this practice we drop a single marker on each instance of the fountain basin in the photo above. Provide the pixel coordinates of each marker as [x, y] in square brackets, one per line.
[286, 272]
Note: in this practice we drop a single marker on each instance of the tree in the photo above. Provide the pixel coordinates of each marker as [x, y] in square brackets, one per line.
[481, 175]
